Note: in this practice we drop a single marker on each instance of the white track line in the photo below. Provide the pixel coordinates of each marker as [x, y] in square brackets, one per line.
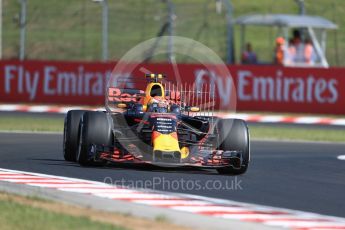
[341, 157]
[248, 117]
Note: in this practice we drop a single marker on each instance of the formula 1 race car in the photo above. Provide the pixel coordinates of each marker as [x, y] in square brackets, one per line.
[159, 126]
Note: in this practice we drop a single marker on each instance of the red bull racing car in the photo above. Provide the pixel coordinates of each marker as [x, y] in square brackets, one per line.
[165, 125]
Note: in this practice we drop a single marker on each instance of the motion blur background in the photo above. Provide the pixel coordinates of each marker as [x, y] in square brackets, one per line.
[72, 30]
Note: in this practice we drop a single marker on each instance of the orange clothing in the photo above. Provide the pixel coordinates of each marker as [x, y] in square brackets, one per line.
[279, 55]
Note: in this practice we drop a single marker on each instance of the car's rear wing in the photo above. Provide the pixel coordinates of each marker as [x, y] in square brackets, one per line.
[192, 100]
[126, 96]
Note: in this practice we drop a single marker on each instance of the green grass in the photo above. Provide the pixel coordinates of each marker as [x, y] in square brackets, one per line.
[161, 218]
[298, 134]
[31, 123]
[71, 30]
[19, 216]
[28, 123]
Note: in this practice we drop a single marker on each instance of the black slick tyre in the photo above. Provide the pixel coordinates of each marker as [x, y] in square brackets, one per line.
[94, 128]
[234, 136]
[70, 137]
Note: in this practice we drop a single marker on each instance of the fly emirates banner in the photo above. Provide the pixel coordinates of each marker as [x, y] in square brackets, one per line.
[253, 88]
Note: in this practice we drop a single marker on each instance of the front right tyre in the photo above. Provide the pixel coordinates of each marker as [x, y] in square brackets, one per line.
[70, 136]
[94, 128]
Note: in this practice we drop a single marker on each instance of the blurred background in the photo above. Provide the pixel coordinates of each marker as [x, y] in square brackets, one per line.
[72, 30]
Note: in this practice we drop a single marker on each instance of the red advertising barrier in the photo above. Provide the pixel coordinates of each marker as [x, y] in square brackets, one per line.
[258, 88]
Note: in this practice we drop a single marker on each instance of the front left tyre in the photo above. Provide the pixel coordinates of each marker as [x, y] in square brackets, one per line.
[234, 136]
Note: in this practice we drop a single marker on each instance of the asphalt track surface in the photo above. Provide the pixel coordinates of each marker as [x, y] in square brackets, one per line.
[300, 176]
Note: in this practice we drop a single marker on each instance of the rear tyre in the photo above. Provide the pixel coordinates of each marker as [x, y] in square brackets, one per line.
[70, 136]
[234, 136]
[94, 128]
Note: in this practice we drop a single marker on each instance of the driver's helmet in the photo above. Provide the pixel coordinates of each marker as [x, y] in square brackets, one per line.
[158, 105]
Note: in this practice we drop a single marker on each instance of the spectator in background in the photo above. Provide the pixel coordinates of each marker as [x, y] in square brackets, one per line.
[298, 46]
[309, 53]
[291, 53]
[279, 51]
[249, 56]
